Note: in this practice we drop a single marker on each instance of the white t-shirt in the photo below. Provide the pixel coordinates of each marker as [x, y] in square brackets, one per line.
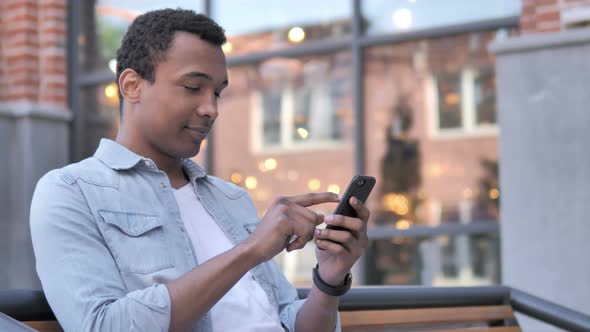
[246, 306]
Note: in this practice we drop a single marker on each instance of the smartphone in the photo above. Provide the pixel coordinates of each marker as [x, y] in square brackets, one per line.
[360, 187]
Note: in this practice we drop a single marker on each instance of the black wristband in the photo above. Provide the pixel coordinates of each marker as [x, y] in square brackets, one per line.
[329, 289]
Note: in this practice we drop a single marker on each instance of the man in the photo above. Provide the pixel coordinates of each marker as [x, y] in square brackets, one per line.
[140, 238]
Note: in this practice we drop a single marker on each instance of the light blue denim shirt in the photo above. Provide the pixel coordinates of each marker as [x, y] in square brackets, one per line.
[107, 237]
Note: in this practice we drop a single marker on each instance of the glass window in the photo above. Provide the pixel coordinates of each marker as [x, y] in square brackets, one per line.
[464, 101]
[457, 260]
[385, 16]
[449, 101]
[304, 101]
[269, 102]
[260, 25]
[427, 104]
[103, 24]
[485, 96]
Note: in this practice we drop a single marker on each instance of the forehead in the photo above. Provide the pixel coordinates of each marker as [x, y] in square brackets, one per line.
[189, 53]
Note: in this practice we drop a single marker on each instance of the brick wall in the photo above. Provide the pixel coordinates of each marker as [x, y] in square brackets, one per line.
[33, 51]
[546, 15]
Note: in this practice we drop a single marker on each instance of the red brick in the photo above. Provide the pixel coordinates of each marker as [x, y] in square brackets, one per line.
[28, 42]
[28, 17]
[549, 16]
[21, 96]
[29, 6]
[545, 2]
[54, 5]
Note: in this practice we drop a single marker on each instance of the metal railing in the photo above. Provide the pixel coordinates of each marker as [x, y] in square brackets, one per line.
[31, 305]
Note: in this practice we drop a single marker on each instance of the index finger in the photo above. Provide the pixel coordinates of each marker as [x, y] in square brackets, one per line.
[314, 199]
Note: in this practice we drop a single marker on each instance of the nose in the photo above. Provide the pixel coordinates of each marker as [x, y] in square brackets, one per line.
[208, 108]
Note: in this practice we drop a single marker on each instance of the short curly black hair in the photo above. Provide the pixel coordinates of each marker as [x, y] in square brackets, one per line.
[151, 34]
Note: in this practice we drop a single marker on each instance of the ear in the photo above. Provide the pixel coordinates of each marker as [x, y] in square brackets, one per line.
[130, 85]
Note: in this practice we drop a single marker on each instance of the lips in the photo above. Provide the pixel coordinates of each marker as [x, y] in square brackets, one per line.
[197, 133]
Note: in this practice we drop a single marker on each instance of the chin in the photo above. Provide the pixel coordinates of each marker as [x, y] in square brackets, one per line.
[192, 152]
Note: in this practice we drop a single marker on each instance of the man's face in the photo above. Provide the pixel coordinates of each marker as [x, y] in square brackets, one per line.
[177, 111]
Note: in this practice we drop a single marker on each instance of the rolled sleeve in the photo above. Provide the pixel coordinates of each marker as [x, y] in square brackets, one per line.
[77, 271]
[290, 304]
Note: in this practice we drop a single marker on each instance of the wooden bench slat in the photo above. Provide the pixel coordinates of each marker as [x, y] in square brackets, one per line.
[485, 329]
[45, 326]
[425, 316]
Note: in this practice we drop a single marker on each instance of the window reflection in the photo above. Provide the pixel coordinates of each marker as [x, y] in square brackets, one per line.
[438, 261]
[449, 101]
[285, 128]
[304, 101]
[384, 16]
[104, 23]
[427, 177]
[262, 25]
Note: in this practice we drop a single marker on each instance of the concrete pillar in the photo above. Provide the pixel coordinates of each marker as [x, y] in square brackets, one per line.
[34, 122]
[544, 114]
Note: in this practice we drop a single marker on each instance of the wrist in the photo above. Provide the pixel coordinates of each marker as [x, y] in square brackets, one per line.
[332, 279]
[331, 289]
[249, 253]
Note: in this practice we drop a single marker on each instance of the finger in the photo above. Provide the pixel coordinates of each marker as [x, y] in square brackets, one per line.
[299, 213]
[354, 225]
[297, 244]
[315, 198]
[303, 227]
[345, 238]
[331, 247]
[361, 210]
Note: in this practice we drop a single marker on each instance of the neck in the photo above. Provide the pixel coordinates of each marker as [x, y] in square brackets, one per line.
[170, 165]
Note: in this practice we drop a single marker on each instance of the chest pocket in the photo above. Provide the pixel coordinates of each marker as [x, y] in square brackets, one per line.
[137, 241]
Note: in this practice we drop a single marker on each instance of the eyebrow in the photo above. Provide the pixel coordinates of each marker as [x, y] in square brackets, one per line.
[196, 74]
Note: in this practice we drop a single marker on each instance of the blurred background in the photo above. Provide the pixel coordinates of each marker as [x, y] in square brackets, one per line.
[472, 115]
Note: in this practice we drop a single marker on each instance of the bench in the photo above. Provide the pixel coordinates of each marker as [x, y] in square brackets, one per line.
[382, 308]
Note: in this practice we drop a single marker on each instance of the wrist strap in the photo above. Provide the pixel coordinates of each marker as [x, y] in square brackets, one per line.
[329, 289]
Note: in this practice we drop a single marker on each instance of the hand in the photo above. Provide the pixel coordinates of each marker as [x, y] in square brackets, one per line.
[286, 217]
[341, 248]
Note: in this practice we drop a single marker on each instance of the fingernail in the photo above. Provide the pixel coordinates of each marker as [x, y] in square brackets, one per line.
[318, 232]
[354, 201]
[329, 218]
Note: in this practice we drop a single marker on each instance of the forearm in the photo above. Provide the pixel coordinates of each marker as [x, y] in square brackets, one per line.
[195, 293]
[318, 313]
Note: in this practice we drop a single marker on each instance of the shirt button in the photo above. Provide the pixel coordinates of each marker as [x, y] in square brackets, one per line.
[206, 316]
[147, 163]
[162, 185]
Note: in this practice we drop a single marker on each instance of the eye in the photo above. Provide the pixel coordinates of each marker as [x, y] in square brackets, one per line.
[193, 89]
[217, 95]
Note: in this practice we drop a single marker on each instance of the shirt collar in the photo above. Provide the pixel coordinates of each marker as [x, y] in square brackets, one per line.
[118, 157]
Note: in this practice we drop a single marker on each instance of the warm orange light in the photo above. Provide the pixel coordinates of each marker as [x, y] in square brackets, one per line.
[396, 203]
[314, 184]
[494, 193]
[110, 91]
[251, 182]
[227, 47]
[403, 224]
[270, 163]
[296, 35]
[334, 188]
[236, 178]
[452, 99]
